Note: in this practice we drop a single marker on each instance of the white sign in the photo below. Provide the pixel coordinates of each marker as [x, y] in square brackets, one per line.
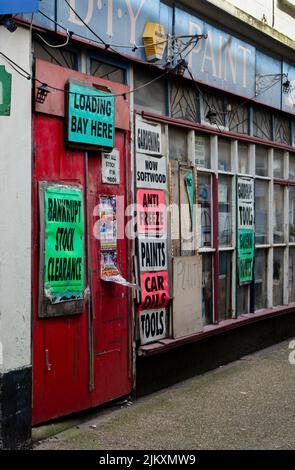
[110, 167]
[152, 325]
[152, 254]
[200, 150]
[151, 172]
[148, 137]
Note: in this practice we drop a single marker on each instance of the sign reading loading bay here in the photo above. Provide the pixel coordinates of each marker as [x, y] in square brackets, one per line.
[91, 116]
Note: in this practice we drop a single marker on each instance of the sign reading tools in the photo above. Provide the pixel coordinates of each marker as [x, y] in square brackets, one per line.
[91, 116]
[246, 233]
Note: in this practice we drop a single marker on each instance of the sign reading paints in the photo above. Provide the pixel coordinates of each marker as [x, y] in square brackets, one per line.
[152, 325]
[64, 244]
[152, 254]
[246, 233]
[91, 116]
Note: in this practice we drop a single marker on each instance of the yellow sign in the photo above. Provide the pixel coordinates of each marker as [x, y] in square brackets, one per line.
[154, 39]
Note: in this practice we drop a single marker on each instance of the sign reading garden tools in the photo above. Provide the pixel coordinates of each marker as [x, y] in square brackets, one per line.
[91, 116]
[64, 245]
[246, 233]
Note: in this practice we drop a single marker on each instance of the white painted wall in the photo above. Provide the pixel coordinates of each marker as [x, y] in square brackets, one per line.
[15, 208]
[283, 22]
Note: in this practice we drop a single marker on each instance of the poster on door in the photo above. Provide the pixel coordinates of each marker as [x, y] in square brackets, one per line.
[154, 290]
[64, 244]
[246, 228]
[151, 212]
[110, 271]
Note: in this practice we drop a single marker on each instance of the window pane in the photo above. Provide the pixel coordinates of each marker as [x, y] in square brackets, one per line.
[107, 71]
[224, 155]
[278, 223]
[243, 158]
[62, 57]
[261, 161]
[291, 213]
[282, 131]
[204, 206]
[262, 125]
[177, 144]
[238, 117]
[225, 273]
[207, 290]
[261, 212]
[149, 98]
[292, 275]
[225, 210]
[292, 166]
[243, 300]
[202, 151]
[278, 276]
[183, 101]
[260, 278]
[278, 164]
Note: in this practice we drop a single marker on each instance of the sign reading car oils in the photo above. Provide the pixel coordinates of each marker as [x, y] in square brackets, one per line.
[152, 325]
[154, 290]
[91, 116]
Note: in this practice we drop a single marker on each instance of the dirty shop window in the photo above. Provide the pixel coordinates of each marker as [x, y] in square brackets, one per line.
[225, 210]
[278, 164]
[243, 300]
[224, 155]
[178, 149]
[107, 71]
[260, 279]
[261, 161]
[278, 221]
[282, 131]
[183, 101]
[292, 214]
[224, 284]
[202, 151]
[214, 103]
[278, 271]
[238, 118]
[207, 289]
[291, 275]
[292, 166]
[62, 57]
[243, 158]
[204, 208]
[261, 212]
[150, 98]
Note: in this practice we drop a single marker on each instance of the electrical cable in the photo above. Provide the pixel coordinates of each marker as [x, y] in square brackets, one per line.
[56, 46]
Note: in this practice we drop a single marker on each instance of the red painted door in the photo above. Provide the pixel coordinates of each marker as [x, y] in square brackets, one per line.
[82, 360]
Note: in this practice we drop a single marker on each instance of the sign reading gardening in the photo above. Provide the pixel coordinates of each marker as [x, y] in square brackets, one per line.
[91, 116]
[245, 205]
[64, 246]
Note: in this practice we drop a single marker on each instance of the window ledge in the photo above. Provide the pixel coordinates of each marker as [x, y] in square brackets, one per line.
[167, 344]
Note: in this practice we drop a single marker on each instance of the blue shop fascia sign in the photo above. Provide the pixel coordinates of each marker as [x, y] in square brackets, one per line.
[9, 7]
[222, 60]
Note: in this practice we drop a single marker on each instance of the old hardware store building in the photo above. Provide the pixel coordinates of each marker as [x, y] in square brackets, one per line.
[202, 122]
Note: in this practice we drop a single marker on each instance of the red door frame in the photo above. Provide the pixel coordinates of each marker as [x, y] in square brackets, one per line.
[61, 365]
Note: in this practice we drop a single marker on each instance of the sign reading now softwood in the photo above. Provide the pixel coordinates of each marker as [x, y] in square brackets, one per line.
[91, 116]
[151, 172]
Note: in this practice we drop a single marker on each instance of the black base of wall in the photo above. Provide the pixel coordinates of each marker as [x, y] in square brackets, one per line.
[162, 370]
[15, 409]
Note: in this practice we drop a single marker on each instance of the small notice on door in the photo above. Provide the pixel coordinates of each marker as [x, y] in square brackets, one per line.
[110, 167]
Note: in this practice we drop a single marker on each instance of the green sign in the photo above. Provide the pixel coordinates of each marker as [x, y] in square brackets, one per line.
[5, 92]
[64, 245]
[91, 116]
[246, 233]
[189, 183]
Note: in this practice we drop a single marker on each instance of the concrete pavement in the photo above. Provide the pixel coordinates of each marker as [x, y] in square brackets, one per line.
[248, 404]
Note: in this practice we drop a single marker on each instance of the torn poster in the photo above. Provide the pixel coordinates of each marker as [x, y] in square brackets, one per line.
[109, 270]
